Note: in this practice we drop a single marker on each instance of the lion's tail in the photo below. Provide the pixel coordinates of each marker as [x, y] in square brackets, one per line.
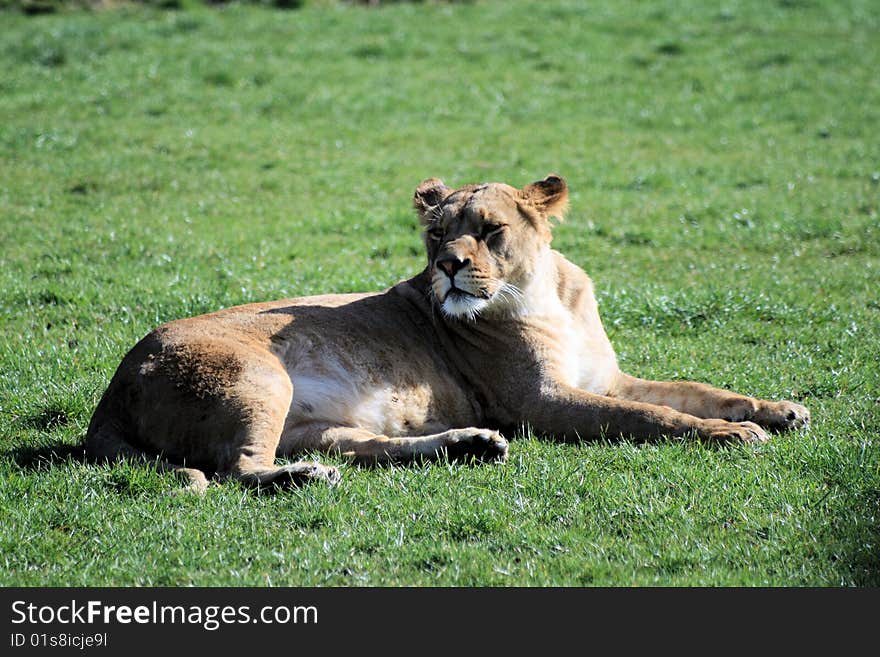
[105, 442]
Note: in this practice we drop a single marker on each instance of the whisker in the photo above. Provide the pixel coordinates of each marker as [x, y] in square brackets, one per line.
[436, 212]
[514, 290]
[510, 293]
[433, 302]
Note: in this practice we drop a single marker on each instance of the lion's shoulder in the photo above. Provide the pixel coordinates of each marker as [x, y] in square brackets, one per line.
[573, 286]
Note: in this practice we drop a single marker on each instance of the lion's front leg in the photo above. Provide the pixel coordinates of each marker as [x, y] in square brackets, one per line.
[705, 401]
[574, 414]
[365, 447]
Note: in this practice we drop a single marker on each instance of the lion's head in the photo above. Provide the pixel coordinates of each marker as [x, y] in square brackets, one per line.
[485, 241]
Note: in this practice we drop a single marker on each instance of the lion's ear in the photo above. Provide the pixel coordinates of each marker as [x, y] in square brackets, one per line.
[548, 196]
[429, 194]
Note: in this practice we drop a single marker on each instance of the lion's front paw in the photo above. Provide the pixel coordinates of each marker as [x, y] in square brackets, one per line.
[480, 444]
[732, 432]
[782, 416]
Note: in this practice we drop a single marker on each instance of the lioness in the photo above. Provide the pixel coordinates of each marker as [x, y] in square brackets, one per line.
[499, 330]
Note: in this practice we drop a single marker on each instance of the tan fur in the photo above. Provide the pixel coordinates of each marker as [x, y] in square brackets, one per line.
[498, 331]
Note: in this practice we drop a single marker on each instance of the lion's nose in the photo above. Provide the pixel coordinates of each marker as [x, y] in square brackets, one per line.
[451, 264]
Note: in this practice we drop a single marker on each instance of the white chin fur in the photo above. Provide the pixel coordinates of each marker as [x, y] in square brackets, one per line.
[463, 306]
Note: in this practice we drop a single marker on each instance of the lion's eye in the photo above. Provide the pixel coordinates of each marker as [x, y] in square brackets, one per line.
[491, 230]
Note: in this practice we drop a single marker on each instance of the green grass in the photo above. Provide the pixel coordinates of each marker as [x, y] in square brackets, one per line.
[725, 175]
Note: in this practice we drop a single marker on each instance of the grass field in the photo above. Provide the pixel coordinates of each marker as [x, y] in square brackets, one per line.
[725, 173]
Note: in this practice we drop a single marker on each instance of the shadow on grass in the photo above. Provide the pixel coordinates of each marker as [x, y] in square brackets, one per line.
[32, 458]
[49, 449]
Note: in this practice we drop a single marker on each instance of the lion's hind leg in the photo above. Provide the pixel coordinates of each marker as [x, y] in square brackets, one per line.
[254, 448]
[295, 474]
[366, 447]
